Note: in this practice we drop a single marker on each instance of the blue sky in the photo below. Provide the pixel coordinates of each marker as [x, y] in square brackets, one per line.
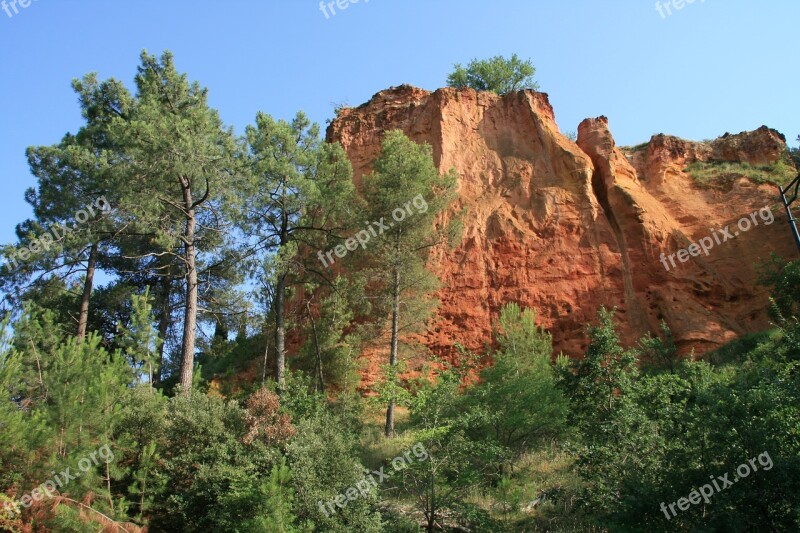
[712, 66]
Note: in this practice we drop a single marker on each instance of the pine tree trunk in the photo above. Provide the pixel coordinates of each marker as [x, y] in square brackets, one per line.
[190, 314]
[393, 351]
[83, 318]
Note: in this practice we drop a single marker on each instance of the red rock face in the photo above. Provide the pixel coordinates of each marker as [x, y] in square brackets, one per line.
[566, 227]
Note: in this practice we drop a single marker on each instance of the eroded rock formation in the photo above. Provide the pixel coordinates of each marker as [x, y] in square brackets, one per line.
[565, 227]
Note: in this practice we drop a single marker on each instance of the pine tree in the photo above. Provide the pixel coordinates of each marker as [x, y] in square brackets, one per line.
[299, 191]
[404, 196]
[181, 163]
[72, 229]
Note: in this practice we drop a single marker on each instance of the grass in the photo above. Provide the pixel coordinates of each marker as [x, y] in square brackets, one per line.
[637, 148]
[547, 470]
[711, 172]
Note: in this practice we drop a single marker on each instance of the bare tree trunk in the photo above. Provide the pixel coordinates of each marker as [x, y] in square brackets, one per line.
[190, 313]
[163, 326]
[320, 376]
[266, 357]
[393, 351]
[280, 315]
[83, 318]
[280, 334]
[432, 502]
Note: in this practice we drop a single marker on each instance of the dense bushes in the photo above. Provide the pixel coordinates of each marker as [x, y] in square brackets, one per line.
[591, 444]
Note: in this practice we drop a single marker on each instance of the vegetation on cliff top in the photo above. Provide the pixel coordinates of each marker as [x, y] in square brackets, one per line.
[497, 74]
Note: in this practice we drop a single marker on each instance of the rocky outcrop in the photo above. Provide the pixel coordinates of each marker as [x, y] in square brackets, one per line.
[565, 227]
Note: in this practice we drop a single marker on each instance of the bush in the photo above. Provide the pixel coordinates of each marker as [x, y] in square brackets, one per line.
[213, 477]
[324, 464]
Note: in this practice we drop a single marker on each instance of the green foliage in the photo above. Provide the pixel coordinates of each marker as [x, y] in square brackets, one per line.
[517, 405]
[73, 198]
[497, 74]
[185, 163]
[212, 476]
[711, 172]
[272, 501]
[659, 353]
[301, 399]
[636, 148]
[139, 339]
[599, 382]
[137, 439]
[655, 437]
[794, 153]
[298, 192]
[61, 401]
[332, 344]
[324, 463]
[456, 463]
[784, 278]
[603, 410]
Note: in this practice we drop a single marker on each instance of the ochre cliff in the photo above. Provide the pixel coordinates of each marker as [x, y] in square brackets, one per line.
[565, 227]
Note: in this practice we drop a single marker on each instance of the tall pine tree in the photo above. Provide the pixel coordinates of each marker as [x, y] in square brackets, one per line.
[405, 194]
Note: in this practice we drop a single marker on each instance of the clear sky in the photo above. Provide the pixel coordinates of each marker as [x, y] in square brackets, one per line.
[710, 67]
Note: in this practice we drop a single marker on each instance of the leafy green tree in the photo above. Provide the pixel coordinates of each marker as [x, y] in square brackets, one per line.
[404, 196]
[782, 277]
[659, 353]
[600, 380]
[333, 345]
[604, 411]
[299, 190]
[23, 431]
[72, 393]
[497, 74]
[517, 404]
[138, 439]
[455, 464]
[325, 464]
[272, 501]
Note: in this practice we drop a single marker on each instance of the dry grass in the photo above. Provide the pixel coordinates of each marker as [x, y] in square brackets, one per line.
[712, 172]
